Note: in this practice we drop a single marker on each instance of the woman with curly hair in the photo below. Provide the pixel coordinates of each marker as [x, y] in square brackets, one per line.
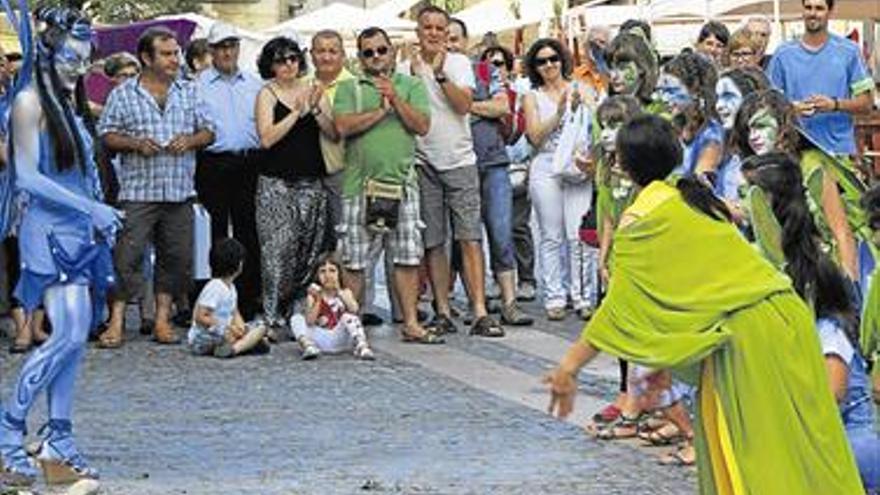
[559, 202]
[686, 88]
[765, 123]
[292, 223]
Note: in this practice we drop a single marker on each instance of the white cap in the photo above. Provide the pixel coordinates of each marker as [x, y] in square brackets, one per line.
[221, 31]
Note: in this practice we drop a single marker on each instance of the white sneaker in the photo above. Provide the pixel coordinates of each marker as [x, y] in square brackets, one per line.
[364, 352]
[310, 352]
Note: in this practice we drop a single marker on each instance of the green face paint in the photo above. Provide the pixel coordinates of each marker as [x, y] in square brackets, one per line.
[763, 132]
[624, 78]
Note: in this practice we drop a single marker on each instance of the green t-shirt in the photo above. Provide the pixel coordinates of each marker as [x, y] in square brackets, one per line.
[386, 151]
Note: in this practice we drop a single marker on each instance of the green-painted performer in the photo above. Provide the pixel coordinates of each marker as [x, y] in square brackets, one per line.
[768, 422]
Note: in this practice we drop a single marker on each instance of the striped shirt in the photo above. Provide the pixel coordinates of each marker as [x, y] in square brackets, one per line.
[132, 111]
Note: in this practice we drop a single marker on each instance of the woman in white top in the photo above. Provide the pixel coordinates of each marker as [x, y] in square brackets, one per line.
[559, 202]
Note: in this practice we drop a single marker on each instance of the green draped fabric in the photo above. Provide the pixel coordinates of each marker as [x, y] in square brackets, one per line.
[870, 329]
[687, 290]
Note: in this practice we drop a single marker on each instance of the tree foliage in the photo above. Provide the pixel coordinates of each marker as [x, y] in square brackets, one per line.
[123, 11]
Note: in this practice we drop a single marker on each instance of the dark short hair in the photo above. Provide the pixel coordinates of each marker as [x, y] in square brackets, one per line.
[196, 49]
[461, 24]
[114, 64]
[507, 54]
[227, 255]
[328, 34]
[328, 258]
[532, 55]
[829, 3]
[649, 149]
[147, 41]
[371, 32]
[432, 9]
[715, 29]
[279, 46]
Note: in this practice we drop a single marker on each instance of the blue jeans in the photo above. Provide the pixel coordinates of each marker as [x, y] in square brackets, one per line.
[497, 209]
[865, 443]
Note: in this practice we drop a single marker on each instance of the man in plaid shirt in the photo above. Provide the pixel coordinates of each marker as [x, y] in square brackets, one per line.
[155, 125]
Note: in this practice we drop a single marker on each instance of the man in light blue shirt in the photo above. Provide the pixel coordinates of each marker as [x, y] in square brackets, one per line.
[825, 78]
[226, 173]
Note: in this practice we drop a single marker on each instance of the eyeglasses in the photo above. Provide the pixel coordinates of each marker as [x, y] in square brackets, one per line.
[290, 58]
[552, 59]
[378, 52]
[127, 75]
[498, 63]
[742, 54]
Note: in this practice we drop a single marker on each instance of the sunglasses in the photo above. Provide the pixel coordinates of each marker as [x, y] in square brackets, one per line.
[378, 52]
[290, 58]
[552, 59]
[498, 63]
[226, 45]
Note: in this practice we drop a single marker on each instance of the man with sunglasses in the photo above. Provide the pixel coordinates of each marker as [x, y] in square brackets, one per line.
[226, 172]
[448, 177]
[380, 114]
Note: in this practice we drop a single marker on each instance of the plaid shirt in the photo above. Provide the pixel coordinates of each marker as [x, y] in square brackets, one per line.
[132, 111]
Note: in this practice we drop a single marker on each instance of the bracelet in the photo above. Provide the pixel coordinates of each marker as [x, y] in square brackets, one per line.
[836, 104]
[440, 78]
[316, 110]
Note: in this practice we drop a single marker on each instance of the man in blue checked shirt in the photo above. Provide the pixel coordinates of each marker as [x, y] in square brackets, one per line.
[155, 125]
[226, 171]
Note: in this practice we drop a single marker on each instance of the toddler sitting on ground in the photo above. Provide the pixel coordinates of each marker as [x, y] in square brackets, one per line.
[217, 327]
[330, 323]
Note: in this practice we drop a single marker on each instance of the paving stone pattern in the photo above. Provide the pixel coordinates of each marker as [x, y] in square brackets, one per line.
[156, 420]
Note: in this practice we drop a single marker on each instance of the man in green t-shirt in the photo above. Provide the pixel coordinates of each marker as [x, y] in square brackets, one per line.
[380, 114]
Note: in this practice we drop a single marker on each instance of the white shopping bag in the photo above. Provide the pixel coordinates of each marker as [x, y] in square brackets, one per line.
[201, 243]
[574, 139]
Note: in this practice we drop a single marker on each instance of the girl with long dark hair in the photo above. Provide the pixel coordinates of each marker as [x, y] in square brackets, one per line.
[739, 330]
[819, 281]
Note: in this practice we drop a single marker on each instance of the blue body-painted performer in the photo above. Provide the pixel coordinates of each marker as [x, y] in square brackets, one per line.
[65, 235]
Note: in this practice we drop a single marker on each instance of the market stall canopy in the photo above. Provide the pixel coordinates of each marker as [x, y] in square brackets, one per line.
[499, 15]
[344, 18]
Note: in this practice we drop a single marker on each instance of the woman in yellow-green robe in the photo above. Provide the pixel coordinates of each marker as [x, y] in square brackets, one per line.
[689, 294]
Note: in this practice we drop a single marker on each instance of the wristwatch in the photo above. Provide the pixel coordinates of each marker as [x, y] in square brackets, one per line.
[440, 77]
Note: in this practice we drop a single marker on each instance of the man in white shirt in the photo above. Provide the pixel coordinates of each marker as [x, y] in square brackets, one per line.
[448, 176]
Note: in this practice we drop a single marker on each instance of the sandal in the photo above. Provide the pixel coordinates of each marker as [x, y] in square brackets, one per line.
[110, 340]
[668, 434]
[427, 337]
[612, 430]
[679, 457]
[485, 326]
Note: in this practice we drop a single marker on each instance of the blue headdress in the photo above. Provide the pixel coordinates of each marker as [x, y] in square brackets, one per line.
[57, 24]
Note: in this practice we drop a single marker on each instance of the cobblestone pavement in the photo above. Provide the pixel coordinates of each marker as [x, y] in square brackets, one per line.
[158, 421]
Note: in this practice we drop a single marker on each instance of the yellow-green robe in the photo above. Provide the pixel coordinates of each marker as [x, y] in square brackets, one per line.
[689, 294]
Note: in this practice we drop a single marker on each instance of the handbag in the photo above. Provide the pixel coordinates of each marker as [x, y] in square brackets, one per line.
[383, 205]
[201, 242]
[574, 139]
[382, 198]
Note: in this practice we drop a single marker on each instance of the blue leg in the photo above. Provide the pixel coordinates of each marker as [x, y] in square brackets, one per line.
[53, 366]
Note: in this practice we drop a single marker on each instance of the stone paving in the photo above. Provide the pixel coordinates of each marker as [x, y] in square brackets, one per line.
[158, 421]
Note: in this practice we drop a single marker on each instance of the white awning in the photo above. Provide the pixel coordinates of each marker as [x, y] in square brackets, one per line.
[346, 19]
[497, 15]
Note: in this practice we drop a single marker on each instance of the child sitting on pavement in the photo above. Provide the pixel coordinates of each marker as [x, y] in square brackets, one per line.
[217, 327]
[330, 323]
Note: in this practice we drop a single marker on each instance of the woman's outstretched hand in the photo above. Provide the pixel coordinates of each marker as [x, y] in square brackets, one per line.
[563, 388]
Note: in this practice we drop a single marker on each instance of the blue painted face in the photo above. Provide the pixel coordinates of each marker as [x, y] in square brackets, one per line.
[72, 61]
[728, 100]
[673, 93]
